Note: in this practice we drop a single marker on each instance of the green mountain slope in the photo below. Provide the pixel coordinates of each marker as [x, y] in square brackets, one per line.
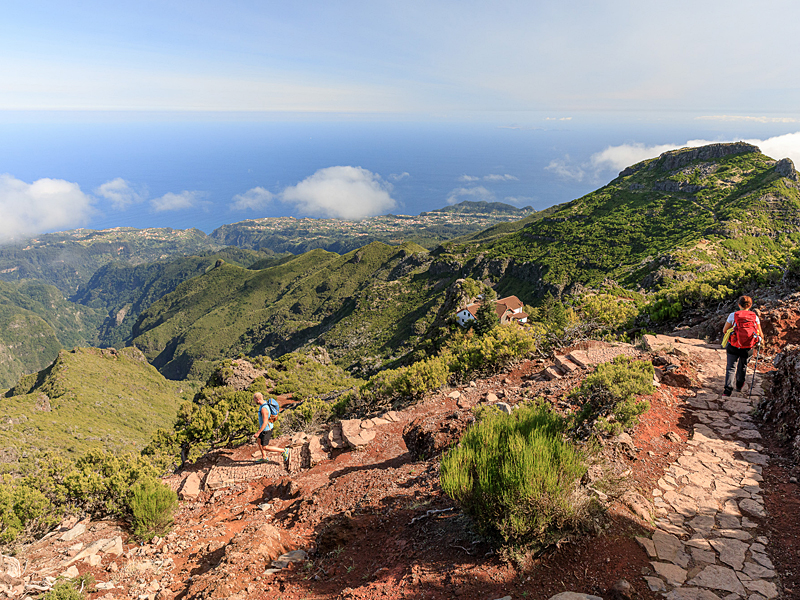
[683, 216]
[123, 291]
[662, 221]
[363, 305]
[35, 323]
[69, 258]
[87, 398]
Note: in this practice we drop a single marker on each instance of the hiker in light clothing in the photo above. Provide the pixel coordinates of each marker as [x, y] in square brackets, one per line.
[264, 434]
[743, 339]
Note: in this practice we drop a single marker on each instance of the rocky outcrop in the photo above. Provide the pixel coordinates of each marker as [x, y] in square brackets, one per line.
[785, 168]
[240, 374]
[677, 186]
[675, 159]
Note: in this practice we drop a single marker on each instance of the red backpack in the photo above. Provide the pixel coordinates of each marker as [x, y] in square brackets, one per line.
[745, 333]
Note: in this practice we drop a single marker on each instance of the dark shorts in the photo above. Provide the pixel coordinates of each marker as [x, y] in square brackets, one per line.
[265, 437]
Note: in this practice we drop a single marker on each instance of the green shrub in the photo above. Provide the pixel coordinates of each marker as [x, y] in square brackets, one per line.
[152, 505]
[608, 310]
[306, 417]
[515, 475]
[608, 396]
[470, 354]
[100, 483]
[23, 509]
[64, 590]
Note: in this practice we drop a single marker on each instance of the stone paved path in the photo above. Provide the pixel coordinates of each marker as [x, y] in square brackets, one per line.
[709, 543]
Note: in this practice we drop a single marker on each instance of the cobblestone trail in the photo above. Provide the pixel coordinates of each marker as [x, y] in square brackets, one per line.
[708, 543]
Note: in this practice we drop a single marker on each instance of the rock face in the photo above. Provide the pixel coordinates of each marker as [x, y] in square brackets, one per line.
[783, 406]
[785, 168]
[675, 159]
[430, 436]
[190, 489]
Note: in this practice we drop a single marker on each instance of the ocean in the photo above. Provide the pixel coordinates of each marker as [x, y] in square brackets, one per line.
[527, 159]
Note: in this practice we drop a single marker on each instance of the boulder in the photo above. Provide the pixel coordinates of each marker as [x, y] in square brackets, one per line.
[335, 439]
[316, 452]
[639, 505]
[429, 436]
[190, 489]
[354, 435]
[624, 443]
[73, 533]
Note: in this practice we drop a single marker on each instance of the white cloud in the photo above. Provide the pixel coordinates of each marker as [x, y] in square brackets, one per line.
[45, 204]
[253, 199]
[616, 158]
[180, 201]
[341, 192]
[399, 176]
[473, 193]
[492, 177]
[566, 169]
[781, 146]
[505, 177]
[120, 193]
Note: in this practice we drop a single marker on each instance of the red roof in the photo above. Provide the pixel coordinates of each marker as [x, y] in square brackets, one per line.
[511, 302]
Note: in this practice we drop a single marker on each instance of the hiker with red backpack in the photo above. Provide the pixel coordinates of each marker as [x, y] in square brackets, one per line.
[745, 336]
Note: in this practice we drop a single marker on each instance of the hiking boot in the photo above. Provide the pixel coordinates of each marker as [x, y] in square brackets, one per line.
[727, 392]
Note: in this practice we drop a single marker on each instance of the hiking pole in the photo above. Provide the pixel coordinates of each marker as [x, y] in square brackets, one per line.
[755, 369]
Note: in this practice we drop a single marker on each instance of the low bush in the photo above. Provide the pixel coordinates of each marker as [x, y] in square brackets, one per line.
[64, 590]
[515, 476]
[306, 417]
[465, 355]
[23, 509]
[609, 311]
[100, 483]
[152, 504]
[608, 397]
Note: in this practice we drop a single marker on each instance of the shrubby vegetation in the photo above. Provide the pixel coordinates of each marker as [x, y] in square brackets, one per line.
[152, 504]
[100, 483]
[465, 355]
[515, 476]
[708, 289]
[608, 396]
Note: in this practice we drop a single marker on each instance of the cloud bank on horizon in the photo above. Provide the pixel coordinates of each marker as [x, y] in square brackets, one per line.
[616, 158]
[56, 204]
[341, 192]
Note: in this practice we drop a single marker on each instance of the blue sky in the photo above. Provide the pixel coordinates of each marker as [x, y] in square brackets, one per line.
[620, 81]
[409, 57]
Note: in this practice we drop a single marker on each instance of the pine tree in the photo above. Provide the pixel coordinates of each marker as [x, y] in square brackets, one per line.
[486, 317]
